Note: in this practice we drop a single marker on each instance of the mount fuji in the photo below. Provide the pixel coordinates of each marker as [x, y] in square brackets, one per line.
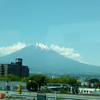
[41, 59]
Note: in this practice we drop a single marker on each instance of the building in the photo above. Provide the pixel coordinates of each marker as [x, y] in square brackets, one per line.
[56, 86]
[89, 90]
[15, 68]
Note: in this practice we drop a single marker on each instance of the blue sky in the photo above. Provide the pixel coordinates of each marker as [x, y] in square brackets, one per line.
[73, 24]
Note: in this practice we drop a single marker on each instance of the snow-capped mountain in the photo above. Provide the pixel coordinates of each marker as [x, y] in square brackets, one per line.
[41, 59]
[39, 45]
[67, 52]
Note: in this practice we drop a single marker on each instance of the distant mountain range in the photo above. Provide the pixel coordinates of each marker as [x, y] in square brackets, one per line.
[42, 60]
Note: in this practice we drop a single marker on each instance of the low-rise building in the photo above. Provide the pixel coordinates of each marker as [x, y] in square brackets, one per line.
[88, 90]
[15, 68]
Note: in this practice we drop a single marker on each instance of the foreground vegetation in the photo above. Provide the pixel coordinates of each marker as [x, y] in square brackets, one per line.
[41, 80]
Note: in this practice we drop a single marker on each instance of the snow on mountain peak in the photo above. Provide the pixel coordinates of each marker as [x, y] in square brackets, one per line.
[40, 45]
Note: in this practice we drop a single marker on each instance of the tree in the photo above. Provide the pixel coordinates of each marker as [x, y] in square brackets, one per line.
[13, 77]
[63, 80]
[10, 77]
[25, 79]
[66, 80]
[95, 82]
[72, 81]
[36, 82]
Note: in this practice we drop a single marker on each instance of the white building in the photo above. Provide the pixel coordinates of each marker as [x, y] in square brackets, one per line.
[88, 90]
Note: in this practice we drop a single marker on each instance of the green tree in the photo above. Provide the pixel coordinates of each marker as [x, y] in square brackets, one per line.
[60, 80]
[25, 79]
[13, 77]
[95, 81]
[2, 78]
[66, 80]
[10, 77]
[36, 81]
[72, 81]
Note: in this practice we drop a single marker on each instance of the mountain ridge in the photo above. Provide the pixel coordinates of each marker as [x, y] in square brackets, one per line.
[44, 60]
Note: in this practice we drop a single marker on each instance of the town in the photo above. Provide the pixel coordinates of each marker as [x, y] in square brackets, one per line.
[15, 77]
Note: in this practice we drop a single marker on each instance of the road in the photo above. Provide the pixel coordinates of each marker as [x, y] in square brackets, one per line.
[52, 96]
[63, 96]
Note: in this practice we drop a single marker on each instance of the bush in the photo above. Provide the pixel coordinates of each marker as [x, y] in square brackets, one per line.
[64, 91]
[58, 98]
[45, 90]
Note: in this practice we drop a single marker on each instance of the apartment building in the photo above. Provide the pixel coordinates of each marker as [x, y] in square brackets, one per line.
[15, 68]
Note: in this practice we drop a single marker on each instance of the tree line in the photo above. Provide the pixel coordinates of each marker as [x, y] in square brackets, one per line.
[36, 81]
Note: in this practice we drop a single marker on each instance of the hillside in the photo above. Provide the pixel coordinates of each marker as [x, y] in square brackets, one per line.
[44, 60]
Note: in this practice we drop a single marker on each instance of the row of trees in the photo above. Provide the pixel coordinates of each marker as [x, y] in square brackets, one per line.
[10, 77]
[40, 80]
[43, 80]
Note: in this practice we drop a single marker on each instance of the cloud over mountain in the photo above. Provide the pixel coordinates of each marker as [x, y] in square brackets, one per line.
[67, 52]
[10, 49]
[40, 59]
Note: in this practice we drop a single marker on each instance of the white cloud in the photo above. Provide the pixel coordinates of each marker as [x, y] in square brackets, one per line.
[10, 49]
[84, 62]
[67, 52]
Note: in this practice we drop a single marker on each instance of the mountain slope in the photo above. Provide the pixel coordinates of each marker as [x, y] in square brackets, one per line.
[41, 59]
